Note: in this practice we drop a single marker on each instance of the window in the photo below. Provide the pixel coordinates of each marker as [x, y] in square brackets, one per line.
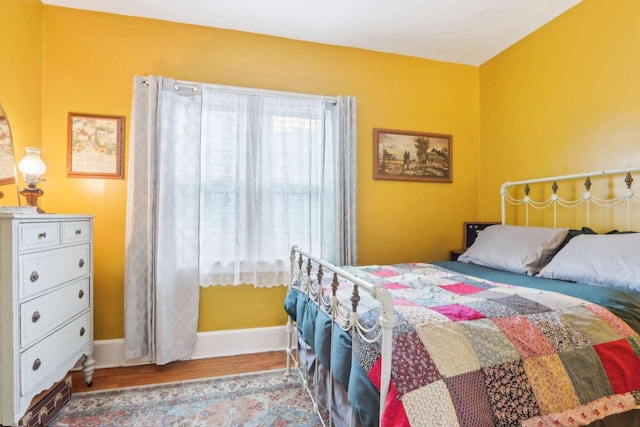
[267, 182]
[223, 181]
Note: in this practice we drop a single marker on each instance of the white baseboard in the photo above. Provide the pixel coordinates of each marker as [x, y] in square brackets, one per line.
[110, 353]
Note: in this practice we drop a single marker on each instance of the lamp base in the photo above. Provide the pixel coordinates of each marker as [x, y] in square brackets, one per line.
[32, 194]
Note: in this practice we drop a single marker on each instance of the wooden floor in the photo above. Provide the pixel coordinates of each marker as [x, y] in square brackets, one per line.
[179, 371]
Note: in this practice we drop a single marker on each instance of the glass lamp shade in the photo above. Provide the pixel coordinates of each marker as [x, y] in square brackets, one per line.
[32, 167]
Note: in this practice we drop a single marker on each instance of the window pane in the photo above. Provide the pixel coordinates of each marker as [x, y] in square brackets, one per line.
[262, 180]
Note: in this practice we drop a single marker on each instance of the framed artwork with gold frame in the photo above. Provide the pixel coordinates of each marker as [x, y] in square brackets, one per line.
[95, 146]
[411, 156]
[7, 160]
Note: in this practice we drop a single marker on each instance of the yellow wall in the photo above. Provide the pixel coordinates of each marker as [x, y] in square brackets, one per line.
[89, 60]
[21, 76]
[566, 99]
[562, 100]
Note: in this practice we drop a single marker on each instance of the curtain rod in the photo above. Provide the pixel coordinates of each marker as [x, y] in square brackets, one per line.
[235, 89]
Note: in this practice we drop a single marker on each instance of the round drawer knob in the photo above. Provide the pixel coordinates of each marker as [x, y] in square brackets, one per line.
[35, 317]
[78, 232]
[36, 364]
[34, 276]
[81, 293]
[82, 331]
[42, 235]
[81, 263]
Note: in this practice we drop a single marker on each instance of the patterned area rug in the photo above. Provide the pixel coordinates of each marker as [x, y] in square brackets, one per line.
[261, 399]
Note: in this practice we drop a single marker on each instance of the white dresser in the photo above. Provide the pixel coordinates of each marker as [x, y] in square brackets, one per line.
[46, 305]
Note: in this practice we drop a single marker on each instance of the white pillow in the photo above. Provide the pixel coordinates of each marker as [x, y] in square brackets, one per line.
[515, 248]
[603, 259]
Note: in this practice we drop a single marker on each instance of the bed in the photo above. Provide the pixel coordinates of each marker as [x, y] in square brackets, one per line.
[534, 325]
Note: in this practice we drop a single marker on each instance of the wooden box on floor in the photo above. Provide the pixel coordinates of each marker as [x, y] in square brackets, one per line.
[47, 404]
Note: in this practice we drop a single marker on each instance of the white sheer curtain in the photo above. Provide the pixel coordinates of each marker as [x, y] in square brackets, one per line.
[222, 181]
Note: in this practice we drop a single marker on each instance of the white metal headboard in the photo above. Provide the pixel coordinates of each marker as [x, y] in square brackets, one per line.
[586, 198]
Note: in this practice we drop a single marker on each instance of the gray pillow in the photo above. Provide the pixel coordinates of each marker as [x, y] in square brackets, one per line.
[515, 248]
[602, 259]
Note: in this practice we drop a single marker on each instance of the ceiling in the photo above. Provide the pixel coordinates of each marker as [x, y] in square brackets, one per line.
[460, 31]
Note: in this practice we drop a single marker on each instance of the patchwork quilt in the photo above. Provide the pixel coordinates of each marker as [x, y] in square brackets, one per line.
[472, 352]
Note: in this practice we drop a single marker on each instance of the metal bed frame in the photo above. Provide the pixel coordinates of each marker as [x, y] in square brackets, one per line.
[382, 330]
[347, 321]
[586, 198]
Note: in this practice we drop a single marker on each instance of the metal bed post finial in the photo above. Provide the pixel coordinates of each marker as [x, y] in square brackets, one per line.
[320, 274]
[527, 190]
[587, 197]
[355, 298]
[628, 180]
[334, 284]
[554, 197]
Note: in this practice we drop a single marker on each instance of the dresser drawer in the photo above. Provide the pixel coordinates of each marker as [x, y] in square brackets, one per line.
[43, 358]
[39, 235]
[76, 232]
[46, 299]
[42, 315]
[40, 271]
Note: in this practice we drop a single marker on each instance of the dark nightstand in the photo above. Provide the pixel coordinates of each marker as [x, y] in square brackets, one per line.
[455, 253]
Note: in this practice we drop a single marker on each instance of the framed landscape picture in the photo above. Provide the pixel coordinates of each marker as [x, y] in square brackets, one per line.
[411, 156]
[96, 145]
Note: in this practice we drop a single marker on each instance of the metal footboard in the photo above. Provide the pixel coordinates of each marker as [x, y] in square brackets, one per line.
[347, 320]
